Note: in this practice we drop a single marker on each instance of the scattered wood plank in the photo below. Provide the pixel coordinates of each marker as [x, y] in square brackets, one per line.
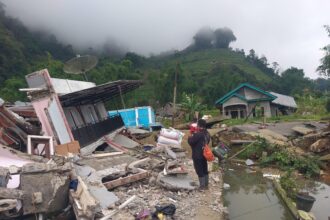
[125, 180]
[237, 153]
[119, 208]
[105, 155]
[83, 203]
[302, 130]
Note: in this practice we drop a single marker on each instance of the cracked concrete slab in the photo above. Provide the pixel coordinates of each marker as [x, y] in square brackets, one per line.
[125, 141]
[176, 182]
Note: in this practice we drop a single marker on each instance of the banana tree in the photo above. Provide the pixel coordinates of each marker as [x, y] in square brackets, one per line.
[191, 104]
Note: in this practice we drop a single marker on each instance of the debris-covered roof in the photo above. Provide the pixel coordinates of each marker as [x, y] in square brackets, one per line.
[103, 92]
[284, 100]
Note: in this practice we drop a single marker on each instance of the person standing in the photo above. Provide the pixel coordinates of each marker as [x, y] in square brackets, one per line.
[197, 141]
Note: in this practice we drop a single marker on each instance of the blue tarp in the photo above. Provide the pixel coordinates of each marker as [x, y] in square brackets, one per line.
[137, 117]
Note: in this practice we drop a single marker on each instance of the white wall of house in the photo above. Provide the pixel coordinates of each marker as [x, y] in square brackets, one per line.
[234, 101]
[252, 94]
[64, 86]
[100, 108]
[234, 104]
[73, 116]
[89, 114]
[263, 104]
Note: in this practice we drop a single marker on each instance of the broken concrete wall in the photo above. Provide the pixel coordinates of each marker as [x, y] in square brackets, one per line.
[7, 158]
[48, 192]
[46, 187]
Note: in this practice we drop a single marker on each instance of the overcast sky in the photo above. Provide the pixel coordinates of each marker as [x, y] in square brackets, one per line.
[289, 32]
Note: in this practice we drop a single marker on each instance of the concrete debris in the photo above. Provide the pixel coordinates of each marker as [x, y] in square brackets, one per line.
[124, 141]
[271, 176]
[302, 130]
[325, 157]
[249, 162]
[64, 156]
[178, 182]
[226, 186]
[320, 145]
[4, 176]
[14, 129]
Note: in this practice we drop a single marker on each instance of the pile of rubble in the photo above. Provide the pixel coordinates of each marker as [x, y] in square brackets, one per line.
[302, 138]
[115, 178]
[63, 156]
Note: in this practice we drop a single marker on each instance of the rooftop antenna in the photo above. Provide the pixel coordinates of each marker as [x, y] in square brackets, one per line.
[80, 65]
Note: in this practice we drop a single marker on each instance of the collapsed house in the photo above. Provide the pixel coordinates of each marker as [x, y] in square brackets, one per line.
[72, 110]
[71, 155]
[249, 101]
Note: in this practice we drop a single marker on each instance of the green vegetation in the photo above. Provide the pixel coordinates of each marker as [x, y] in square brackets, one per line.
[191, 104]
[281, 157]
[289, 184]
[208, 69]
[324, 68]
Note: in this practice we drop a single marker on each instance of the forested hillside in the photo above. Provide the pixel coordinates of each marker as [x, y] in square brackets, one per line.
[208, 68]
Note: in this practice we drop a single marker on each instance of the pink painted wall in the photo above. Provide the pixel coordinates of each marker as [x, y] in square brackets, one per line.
[39, 106]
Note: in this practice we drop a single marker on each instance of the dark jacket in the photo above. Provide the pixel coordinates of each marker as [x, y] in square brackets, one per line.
[197, 142]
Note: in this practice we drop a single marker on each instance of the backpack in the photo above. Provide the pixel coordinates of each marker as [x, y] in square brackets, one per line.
[207, 152]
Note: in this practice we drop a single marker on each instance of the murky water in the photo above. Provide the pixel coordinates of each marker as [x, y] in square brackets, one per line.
[321, 192]
[252, 197]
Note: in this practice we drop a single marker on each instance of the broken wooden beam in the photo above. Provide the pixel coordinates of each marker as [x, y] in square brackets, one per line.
[105, 155]
[119, 208]
[125, 180]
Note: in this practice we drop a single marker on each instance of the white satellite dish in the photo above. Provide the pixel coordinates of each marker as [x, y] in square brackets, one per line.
[80, 65]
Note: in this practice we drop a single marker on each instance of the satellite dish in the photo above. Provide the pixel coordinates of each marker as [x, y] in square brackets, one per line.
[80, 65]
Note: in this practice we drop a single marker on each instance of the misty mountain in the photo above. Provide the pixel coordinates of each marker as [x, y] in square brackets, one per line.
[208, 70]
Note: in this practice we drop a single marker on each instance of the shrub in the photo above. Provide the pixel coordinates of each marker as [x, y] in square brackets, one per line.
[288, 183]
[327, 105]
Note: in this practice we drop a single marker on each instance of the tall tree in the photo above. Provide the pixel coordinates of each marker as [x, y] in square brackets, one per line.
[324, 68]
[293, 81]
[204, 38]
[223, 37]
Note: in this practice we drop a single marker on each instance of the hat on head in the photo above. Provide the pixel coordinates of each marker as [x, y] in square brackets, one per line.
[201, 123]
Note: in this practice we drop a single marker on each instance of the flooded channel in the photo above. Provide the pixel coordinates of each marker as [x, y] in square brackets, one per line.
[250, 196]
[321, 192]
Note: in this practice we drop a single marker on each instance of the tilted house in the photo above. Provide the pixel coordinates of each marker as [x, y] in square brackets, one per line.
[245, 101]
[71, 110]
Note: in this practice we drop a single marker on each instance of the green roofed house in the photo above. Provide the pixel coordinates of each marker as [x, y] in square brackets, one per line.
[249, 101]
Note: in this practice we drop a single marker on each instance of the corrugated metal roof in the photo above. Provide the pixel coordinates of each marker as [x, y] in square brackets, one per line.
[284, 100]
[65, 86]
[99, 93]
